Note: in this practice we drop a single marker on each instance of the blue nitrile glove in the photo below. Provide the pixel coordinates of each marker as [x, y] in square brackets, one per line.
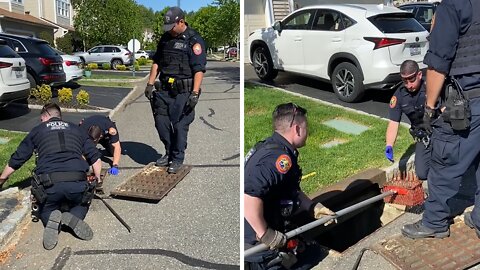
[114, 170]
[389, 152]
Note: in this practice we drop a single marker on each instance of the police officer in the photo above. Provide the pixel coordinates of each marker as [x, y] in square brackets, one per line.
[102, 130]
[272, 191]
[60, 173]
[180, 59]
[454, 53]
[410, 100]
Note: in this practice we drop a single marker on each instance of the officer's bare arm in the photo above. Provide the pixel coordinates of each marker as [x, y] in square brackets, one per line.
[117, 150]
[253, 210]
[5, 174]
[197, 81]
[97, 168]
[153, 73]
[391, 135]
[435, 81]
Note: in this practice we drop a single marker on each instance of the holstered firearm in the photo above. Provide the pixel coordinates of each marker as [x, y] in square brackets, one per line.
[38, 190]
[457, 112]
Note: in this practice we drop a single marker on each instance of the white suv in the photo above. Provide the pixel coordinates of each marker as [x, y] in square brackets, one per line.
[353, 46]
[115, 55]
[14, 84]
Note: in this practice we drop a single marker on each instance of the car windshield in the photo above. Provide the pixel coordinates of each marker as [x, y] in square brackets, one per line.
[396, 23]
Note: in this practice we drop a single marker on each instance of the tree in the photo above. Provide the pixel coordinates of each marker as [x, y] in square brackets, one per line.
[227, 22]
[47, 36]
[158, 26]
[201, 21]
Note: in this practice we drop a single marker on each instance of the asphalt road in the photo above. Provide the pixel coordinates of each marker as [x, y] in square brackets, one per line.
[196, 226]
[374, 102]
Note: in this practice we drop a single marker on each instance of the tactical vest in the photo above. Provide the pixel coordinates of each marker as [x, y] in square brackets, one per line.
[467, 58]
[57, 137]
[174, 60]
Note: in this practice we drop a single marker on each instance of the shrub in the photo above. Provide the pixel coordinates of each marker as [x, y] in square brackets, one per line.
[65, 95]
[42, 93]
[93, 66]
[83, 98]
[150, 61]
[106, 66]
[121, 67]
[137, 67]
[142, 61]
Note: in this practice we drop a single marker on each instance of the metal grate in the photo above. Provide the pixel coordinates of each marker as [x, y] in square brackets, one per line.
[151, 183]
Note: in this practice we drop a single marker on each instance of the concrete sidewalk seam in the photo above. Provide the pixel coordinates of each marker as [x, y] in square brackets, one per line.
[10, 224]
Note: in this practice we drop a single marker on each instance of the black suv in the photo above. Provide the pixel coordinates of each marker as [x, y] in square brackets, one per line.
[44, 65]
[423, 12]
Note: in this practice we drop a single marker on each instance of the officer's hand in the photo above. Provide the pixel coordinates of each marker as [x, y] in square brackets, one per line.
[389, 153]
[149, 91]
[273, 239]
[193, 100]
[427, 121]
[114, 170]
[320, 211]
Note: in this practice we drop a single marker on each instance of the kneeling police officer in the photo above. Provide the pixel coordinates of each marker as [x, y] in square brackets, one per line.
[272, 194]
[64, 154]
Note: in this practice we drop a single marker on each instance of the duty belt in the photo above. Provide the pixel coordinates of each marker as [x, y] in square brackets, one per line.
[177, 85]
[55, 177]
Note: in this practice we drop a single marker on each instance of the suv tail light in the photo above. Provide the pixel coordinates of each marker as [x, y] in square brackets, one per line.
[128, 53]
[70, 63]
[46, 61]
[384, 42]
[5, 65]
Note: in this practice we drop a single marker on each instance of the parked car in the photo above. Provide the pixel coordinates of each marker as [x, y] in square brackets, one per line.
[232, 52]
[354, 46]
[150, 53]
[423, 12]
[44, 65]
[14, 84]
[141, 54]
[115, 55]
[72, 66]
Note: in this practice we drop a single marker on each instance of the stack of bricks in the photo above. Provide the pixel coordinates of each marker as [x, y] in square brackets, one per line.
[408, 182]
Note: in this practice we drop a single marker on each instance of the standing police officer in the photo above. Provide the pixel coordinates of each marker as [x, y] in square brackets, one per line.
[454, 54]
[272, 192]
[180, 59]
[60, 173]
[102, 130]
[410, 100]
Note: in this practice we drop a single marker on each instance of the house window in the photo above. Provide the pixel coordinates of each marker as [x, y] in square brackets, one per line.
[63, 8]
[18, 2]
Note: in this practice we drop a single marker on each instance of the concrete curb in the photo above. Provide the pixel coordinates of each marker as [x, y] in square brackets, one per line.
[100, 110]
[118, 80]
[10, 224]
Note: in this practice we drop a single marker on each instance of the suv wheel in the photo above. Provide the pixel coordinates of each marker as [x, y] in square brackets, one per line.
[116, 62]
[347, 82]
[31, 79]
[263, 65]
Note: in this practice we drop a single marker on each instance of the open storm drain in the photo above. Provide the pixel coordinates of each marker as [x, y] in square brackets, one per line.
[151, 183]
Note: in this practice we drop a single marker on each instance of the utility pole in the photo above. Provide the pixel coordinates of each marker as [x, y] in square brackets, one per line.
[178, 3]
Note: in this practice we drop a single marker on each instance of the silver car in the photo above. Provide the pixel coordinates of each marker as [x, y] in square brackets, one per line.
[114, 55]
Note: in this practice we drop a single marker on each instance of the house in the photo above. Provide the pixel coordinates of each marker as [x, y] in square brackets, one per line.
[32, 17]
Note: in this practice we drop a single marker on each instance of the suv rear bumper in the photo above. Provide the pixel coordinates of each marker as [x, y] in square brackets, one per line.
[8, 97]
[53, 79]
[391, 81]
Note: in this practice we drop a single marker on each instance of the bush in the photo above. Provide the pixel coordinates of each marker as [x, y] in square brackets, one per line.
[65, 95]
[64, 43]
[106, 66]
[150, 61]
[83, 98]
[92, 66]
[137, 67]
[121, 67]
[142, 61]
[42, 93]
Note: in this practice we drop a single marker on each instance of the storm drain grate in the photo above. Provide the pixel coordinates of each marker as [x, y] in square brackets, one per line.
[151, 183]
[459, 251]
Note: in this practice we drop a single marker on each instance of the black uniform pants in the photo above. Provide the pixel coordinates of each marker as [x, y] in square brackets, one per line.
[69, 193]
[172, 122]
[422, 160]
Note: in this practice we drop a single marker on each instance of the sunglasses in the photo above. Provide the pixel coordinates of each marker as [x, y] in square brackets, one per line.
[295, 110]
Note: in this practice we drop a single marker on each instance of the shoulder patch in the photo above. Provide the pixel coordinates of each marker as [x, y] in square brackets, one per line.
[393, 102]
[283, 164]
[197, 49]
[112, 131]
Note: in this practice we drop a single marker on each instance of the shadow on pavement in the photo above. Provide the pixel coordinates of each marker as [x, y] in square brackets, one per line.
[14, 110]
[140, 152]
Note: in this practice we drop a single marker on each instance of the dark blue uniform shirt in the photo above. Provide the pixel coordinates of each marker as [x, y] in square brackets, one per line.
[104, 123]
[58, 158]
[273, 175]
[411, 104]
[450, 16]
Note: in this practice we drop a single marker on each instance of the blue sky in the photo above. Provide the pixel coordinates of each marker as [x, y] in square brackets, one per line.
[186, 5]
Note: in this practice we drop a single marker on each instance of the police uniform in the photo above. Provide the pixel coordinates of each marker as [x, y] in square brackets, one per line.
[454, 50]
[60, 165]
[272, 174]
[412, 104]
[178, 59]
[105, 124]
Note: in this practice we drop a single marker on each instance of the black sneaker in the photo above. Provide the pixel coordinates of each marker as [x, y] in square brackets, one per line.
[418, 230]
[78, 226]
[50, 233]
[163, 161]
[174, 167]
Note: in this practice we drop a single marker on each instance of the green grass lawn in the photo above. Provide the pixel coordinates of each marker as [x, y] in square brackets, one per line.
[122, 76]
[330, 164]
[107, 84]
[6, 150]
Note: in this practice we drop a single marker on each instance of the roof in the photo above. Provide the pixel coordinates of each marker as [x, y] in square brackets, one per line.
[21, 37]
[68, 27]
[24, 18]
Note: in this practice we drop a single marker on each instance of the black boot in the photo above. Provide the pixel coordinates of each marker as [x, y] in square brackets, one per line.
[418, 230]
[50, 233]
[163, 161]
[175, 166]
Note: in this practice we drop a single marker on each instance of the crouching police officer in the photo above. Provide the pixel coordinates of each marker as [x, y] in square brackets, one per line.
[272, 194]
[103, 131]
[60, 174]
[454, 55]
[180, 59]
[410, 100]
